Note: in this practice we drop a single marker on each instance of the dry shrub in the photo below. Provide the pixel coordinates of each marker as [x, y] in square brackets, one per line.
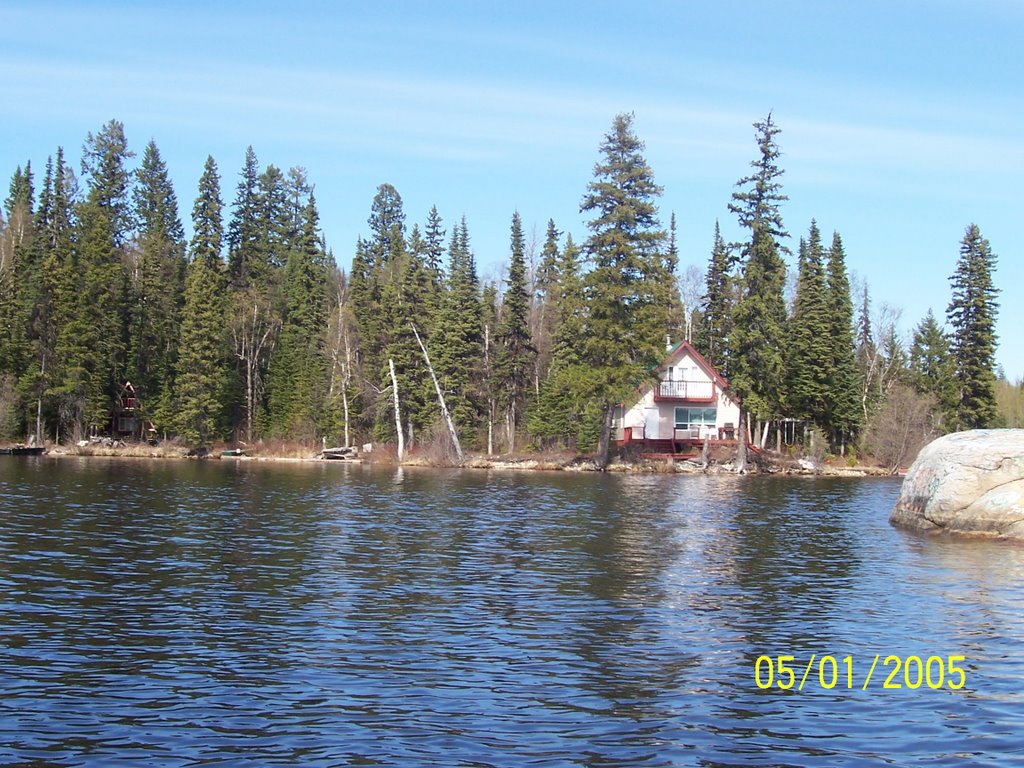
[163, 449]
[900, 427]
[435, 447]
[275, 448]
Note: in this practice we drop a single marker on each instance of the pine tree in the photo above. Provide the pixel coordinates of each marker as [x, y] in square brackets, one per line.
[516, 352]
[387, 225]
[844, 388]
[297, 193]
[274, 226]
[867, 352]
[103, 164]
[810, 359]
[712, 339]
[19, 280]
[255, 230]
[932, 367]
[563, 411]
[20, 198]
[756, 366]
[434, 235]
[456, 345]
[16, 277]
[972, 314]
[298, 377]
[364, 301]
[246, 265]
[757, 370]
[379, 271]
[56, 228]
[202, 370]
[757, 206]
[405, 288]
[37, 309]
[432, 259]
[93, 340]
[678, 319]
[156, 289]
[627, 317]
[544, 308]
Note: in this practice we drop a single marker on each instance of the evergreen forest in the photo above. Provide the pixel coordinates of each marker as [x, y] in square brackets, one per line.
[249, 330]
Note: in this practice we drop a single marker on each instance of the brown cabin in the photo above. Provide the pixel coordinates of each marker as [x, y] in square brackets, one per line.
[126, 420]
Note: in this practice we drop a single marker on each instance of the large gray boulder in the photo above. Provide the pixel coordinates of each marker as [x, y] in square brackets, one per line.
[966, 482]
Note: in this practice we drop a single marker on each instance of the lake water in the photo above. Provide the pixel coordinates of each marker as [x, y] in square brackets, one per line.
[202, 614]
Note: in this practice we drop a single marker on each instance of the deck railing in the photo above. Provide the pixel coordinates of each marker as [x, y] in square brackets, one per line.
[701, 391]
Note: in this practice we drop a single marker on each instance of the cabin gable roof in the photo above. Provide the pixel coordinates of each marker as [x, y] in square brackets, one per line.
[684, 348]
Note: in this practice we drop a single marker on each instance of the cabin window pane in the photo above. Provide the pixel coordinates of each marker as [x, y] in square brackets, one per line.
[710, 415]
[682, 417]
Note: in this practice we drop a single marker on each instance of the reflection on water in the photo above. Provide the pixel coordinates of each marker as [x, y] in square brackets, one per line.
[207, 613]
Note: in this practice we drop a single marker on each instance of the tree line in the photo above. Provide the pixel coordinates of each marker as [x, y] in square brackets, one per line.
[249, 330]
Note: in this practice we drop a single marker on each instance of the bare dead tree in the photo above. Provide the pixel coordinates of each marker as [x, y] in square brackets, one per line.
[398, 411]
[440, 398]
[253, 331]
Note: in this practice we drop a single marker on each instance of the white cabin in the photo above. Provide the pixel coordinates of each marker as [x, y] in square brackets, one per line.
[687, 404]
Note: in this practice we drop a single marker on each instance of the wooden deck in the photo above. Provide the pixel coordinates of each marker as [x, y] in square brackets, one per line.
[680, 448]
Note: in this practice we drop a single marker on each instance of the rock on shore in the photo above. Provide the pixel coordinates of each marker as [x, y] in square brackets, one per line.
[966, 482]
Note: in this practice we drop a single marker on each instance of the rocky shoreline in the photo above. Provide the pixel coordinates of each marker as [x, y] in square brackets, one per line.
[558, 463]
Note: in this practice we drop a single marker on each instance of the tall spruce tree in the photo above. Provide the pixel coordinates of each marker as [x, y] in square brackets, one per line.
[972, 315]
[156, 289]
[387, 226]
[202, 367]
[16, 275]
[37, 311]
[544, 308]
[810, 357]
[678, 316]
[867, 352]
[406, 289]
[246, 263]
[254, 287]
[103, 165]
[933, 368]
[57, 229]
[298, 367]
[432, 259]
[516, 352]
[434, 235]
[20, 196]
[627, 316]
[19, 280]
[274, 223]
[456, 344]
[756, 365]
[563, 412]
[93, 340]
[844, 387]
[712, 339]
[378, 273]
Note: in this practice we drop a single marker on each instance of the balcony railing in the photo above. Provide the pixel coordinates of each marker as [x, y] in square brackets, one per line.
[692, 391]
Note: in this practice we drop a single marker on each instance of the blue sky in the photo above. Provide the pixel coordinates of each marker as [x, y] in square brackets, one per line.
[901, 120]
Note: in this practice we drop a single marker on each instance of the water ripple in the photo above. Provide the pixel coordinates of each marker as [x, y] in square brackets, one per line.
[205, 614]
